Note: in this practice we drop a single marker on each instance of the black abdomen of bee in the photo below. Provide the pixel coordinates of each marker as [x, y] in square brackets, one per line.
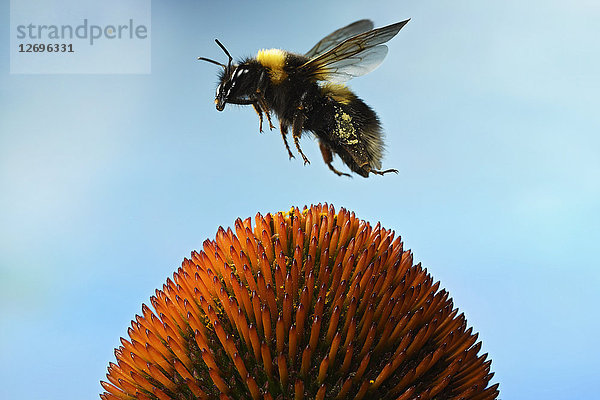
[350, 129]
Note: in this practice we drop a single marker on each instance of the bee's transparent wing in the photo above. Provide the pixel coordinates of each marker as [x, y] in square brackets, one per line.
[337, 37]
[353, 57]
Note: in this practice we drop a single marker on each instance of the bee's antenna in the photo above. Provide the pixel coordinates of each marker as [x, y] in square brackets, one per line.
[226, 52]
[216, 62]
[212, 61]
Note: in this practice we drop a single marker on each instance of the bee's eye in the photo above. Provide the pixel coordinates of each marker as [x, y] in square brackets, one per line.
[228, 87]
[239, 72]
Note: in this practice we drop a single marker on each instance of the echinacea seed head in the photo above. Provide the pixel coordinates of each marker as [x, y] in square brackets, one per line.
[311, 303]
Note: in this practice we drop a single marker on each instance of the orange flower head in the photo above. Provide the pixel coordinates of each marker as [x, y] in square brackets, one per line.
[309, 304]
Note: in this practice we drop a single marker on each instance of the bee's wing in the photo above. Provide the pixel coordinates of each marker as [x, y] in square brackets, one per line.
[353, 57]
[337, 37]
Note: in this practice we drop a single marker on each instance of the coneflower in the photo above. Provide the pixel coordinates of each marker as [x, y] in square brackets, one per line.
[304, 304]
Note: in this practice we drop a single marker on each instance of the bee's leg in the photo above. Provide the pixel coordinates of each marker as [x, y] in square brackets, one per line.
[374, 171]
[284, 128]
[263, 104]
[257, 107]
[260, 115]
[263, 82]
[328, 158]
[297, 125]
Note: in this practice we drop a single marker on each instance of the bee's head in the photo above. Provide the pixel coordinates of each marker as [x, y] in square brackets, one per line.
[228, 87]
[226, 78]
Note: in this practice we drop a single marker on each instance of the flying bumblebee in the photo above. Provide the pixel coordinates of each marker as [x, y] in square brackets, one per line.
[307, 94]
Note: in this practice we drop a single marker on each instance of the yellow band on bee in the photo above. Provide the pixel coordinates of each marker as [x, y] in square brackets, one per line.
[339, 93]
[274, 60]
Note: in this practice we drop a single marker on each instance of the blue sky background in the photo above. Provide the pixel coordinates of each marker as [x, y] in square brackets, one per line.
[491, 115]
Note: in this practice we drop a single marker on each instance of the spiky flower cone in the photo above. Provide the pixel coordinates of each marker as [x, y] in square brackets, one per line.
[306, 304]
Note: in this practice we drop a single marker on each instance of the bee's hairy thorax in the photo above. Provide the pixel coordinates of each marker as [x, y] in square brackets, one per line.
[330, 111]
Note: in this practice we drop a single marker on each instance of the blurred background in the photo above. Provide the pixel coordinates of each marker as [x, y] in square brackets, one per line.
[491, 113]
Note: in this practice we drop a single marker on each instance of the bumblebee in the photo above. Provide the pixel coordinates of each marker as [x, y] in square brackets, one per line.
[307, 93]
